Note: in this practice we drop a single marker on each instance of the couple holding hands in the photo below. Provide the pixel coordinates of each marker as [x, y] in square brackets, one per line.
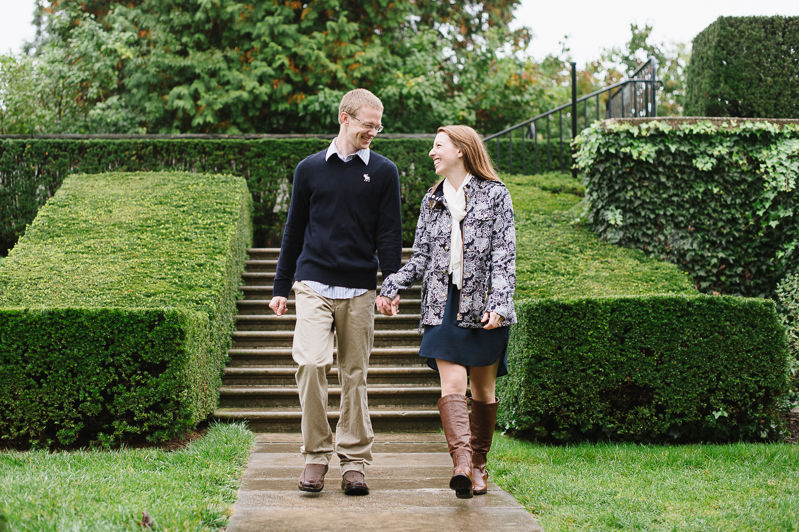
[344, 213]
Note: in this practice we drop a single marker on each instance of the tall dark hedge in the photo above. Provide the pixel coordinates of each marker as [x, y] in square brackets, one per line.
[647, 369]
[745, 67]
[32, 169]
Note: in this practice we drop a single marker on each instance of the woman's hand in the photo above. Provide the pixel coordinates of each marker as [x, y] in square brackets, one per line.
[386, 306]
[494, 320]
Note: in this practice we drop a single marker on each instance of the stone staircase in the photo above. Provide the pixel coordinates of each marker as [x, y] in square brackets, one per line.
[259, 385]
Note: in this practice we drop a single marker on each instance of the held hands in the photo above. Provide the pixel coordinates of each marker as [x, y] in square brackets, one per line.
[386, 306]
[278, 304]
[494, 320]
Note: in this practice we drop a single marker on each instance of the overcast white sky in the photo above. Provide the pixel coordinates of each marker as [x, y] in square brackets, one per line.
[591, 25]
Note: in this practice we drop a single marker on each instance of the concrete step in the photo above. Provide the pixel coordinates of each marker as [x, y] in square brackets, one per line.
[261, 306]
[287, 322]
[287, 396]
[281, 357]
[274, 253]
[395, 419]
[252, 339]
[265, 292]
[284, 376]
[253, 265]
[263, 253]
[267, 277]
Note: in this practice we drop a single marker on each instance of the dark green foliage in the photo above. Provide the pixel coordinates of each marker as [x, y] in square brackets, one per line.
[235, 66]
[533, 158]
[718, 198]
[118, 305]
[103, 374]
[745, 67]
[651, 368]
[788, 307]
[31, 170]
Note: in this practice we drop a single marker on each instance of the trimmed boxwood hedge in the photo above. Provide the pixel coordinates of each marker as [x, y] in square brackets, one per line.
[716, 197]
[32, 169]
[745, 67]
[647, 368]
[117, 307]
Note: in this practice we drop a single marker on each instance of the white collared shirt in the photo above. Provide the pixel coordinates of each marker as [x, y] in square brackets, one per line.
[339, 292]
[363, 154]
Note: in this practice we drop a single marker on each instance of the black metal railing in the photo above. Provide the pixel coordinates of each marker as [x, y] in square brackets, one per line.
[540, 136]
[635, 98]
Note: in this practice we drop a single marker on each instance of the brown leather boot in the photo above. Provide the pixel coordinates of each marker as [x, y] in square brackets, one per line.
[455, 419]
[483, 421]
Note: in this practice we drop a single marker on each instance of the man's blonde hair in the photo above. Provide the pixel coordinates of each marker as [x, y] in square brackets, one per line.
[352, 102]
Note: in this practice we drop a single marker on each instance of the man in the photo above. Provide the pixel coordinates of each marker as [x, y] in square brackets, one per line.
[345, 206]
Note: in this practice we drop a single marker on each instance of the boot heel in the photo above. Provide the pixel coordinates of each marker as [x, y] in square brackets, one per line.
[462, 485]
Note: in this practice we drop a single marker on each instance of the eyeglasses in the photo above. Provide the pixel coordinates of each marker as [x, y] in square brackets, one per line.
[370, 127]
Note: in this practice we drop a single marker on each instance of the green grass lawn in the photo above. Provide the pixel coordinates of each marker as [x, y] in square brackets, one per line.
[650, 487]
[189, 489]
[555, 258]
[626, 486]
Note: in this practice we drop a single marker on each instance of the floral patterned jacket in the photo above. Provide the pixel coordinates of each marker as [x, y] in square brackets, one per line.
[489, 256]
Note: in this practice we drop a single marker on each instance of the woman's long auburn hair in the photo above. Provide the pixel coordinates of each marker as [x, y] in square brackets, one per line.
[475, 155]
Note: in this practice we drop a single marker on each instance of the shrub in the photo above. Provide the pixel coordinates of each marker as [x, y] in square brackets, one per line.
[535, 158]
[745, 67]
[32, 169]
[718, 198]
[118, 306]
[788, 306]
[649, 368]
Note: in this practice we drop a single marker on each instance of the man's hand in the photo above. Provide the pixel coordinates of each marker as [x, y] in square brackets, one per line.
[386, 306]
[278, 304]
[494, 320]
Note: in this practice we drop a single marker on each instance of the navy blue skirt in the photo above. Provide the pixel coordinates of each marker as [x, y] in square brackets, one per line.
[467, 347]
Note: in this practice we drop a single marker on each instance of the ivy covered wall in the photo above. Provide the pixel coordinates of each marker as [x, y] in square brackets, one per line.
[716, 197]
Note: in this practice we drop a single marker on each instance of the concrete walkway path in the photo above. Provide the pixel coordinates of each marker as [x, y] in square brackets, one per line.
[408, 481]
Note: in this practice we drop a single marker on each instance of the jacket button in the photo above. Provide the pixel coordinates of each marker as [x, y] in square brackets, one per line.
[448, 226]
[459, 315]
[446, 248]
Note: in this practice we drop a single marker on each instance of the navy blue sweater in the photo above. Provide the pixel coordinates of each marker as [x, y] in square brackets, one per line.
[341, 213]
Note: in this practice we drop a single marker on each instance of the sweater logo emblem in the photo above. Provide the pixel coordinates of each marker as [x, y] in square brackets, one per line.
[366, 178]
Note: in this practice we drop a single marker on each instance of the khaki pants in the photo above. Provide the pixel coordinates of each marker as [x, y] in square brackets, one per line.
[353, 322]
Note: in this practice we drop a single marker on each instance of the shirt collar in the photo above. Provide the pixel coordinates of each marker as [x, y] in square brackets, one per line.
[332, 149]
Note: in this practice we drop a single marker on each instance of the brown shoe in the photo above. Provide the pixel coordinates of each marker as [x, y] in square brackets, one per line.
[353, 483]
[455, 420]
[313, 478]
[483, 421]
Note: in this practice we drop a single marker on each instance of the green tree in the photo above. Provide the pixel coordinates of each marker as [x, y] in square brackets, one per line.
[67, 87]
[236, 66]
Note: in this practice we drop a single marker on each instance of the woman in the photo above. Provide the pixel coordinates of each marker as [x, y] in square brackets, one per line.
[465, 248]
